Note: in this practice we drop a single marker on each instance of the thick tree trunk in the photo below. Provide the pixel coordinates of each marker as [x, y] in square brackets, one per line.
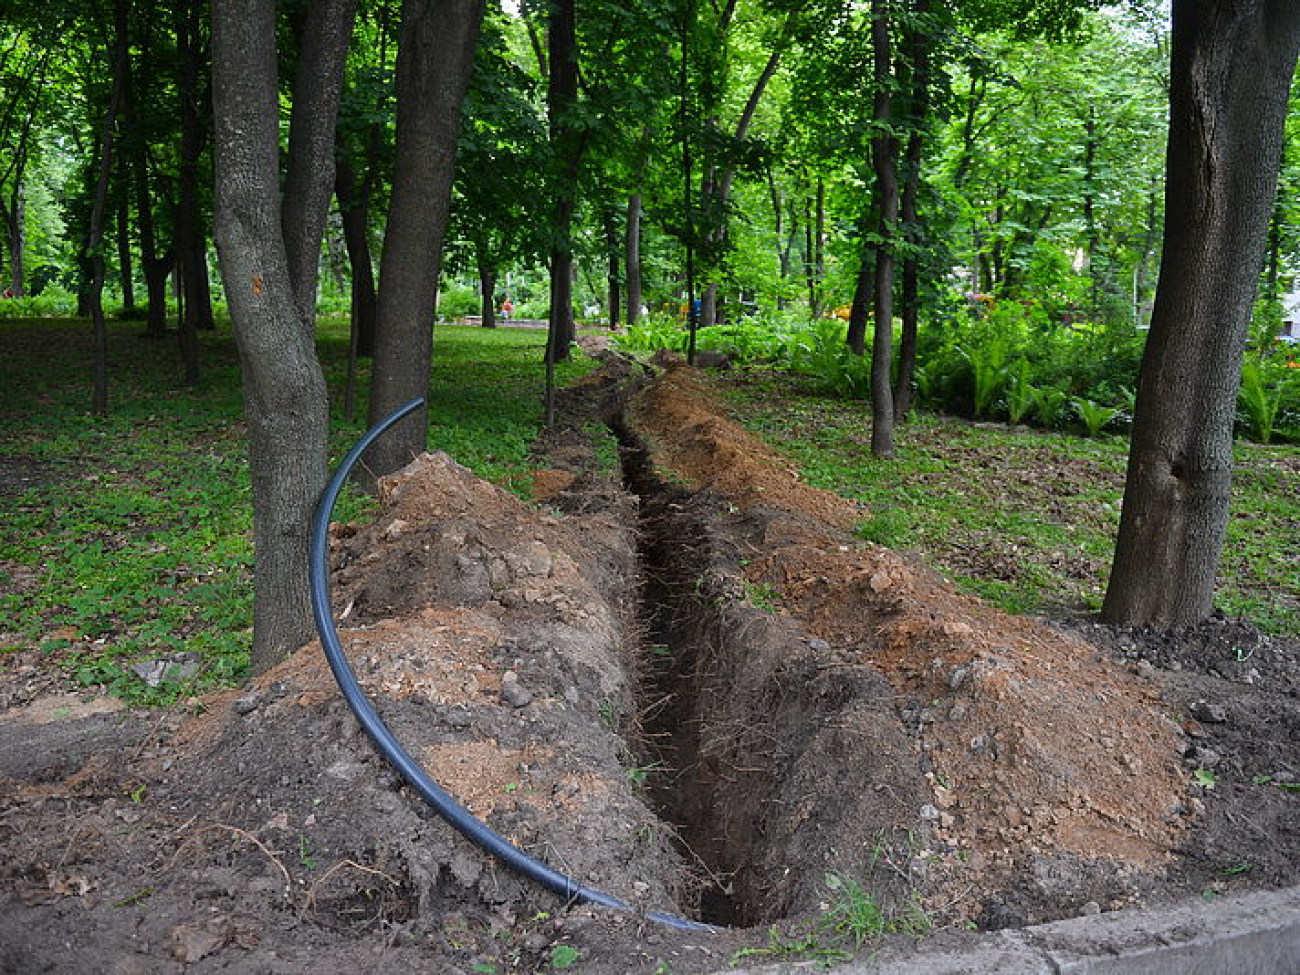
[434, 57]
[284, 391]
[884, 153]
[1232, 63]
[322, 52]
[633, 259]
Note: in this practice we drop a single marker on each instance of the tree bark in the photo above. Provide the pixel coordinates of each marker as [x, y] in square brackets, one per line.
[284, 390]
[434, 57]
[191, 265]
[884, 153]
[487, 286]
[909, 209]
[99, 204]
[323, 40]
[561, 94]
[633, 259]
[1232, 62]
[353, 196]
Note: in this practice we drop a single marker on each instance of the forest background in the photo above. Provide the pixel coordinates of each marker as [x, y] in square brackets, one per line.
[709, 165]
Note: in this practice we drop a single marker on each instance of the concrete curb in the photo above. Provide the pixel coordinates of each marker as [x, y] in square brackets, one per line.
[1250, 934]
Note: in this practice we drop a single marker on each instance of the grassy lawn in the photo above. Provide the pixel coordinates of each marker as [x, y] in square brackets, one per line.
[1026, 519]
[136, 540]
[132, 540]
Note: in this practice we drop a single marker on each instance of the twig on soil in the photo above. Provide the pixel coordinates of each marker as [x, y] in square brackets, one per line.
[309, 903]
[284, 872]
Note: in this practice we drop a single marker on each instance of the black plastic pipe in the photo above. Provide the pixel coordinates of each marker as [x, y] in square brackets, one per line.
[476, 831]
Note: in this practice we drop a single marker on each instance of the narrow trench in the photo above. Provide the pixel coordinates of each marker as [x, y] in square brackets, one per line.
[676, 687]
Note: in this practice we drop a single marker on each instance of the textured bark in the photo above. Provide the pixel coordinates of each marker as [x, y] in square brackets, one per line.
[353, 196]
[1232, 62]
[487, 286]
[284, 391]
[434, 57]
[633, 259]
[323, 39]
[884, 156]
[95, 237]
[191, 262]
[918, 55]
[561, 94]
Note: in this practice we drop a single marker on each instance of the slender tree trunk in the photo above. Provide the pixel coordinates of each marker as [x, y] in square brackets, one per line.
[633, 261]
[487, 284]
[16, 221]
[909, 209]
[860, 308]
[95, 236]
[612, 276]
[354, 208]
[285, 399]
[434, 56]
[323, 47]
[124, 263]
[189, 244]
[562, 94]
[1232, 64]
[884, 153]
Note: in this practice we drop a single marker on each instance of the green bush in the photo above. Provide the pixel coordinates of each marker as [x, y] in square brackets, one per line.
[457, 300]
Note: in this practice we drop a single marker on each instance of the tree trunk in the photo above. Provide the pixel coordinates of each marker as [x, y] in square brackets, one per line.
[884, 152]
[561, 94]
[856, 338]
[612, 275]
[354, 208]
[15, 216]
[434, 57]
[95, 235]
[124, 263]
[909, 210]
[633, 261]
[284, 390]
[1231, 66]
[322, 52]
[487, 286]
[195, 304]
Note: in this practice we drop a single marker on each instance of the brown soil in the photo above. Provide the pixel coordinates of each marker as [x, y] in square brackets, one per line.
[695, 690]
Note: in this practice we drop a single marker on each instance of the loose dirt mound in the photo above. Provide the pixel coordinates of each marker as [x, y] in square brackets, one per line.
[697, 691]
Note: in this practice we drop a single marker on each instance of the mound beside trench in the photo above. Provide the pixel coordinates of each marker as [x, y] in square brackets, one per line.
[694, 690]
[873, 721]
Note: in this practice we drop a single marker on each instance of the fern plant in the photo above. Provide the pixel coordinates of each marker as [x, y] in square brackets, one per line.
[1260, 400]
[1094, 416]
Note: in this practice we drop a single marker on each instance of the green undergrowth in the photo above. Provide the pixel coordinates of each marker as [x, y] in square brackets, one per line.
[1026, 519]
[133, 540]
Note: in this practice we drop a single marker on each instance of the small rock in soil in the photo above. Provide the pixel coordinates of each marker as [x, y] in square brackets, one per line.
[1209, 713]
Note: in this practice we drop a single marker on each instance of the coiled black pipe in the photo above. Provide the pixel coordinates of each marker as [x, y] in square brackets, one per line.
[443, 804]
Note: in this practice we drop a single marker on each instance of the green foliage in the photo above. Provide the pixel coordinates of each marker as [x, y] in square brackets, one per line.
[1264, 389]
[821, 353]
[1093, 416]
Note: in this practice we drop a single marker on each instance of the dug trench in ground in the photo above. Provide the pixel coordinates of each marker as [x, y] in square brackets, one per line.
[871, 721]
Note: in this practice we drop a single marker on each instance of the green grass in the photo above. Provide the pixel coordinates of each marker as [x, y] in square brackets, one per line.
[1024, 519]
[137, 541]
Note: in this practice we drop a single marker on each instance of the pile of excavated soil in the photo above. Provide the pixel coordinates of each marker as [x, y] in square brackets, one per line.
[696, 691]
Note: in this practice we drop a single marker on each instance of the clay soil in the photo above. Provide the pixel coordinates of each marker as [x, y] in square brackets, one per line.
[690, 687]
